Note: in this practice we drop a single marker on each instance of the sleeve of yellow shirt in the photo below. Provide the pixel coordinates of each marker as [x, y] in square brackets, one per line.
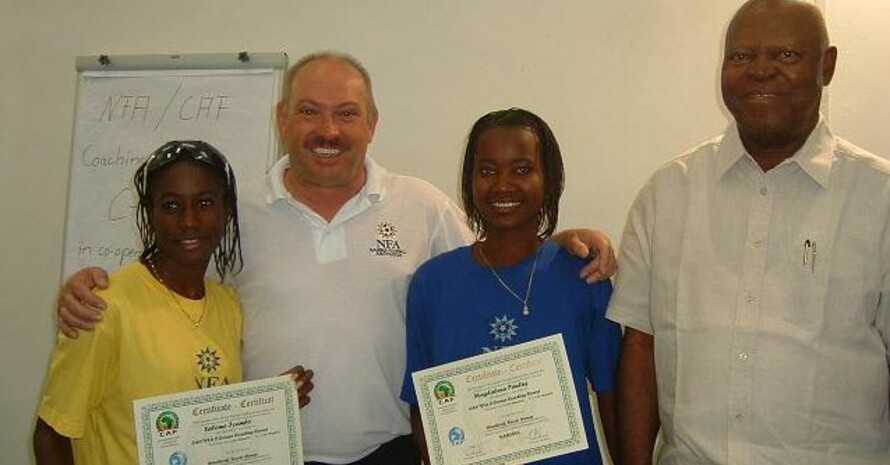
[79, 374]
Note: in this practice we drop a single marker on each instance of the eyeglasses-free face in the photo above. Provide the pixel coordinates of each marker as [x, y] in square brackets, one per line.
[188, 215]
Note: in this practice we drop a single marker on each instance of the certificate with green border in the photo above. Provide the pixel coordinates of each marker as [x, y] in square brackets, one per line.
[513, 405]
[256, 422]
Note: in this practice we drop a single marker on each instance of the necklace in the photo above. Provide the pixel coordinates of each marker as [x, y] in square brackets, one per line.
[154, 272]
[528, 288]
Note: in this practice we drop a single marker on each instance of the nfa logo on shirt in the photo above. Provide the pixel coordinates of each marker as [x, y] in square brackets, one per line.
[387, 241]
[208, 362]
[502, 330]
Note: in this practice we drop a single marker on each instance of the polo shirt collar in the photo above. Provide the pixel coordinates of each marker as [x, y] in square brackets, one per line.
[374, 188]
[815, 157]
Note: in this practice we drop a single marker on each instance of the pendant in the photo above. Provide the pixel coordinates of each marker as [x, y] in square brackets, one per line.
[525, 310]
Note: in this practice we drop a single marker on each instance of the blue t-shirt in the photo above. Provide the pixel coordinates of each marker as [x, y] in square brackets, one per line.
[457, 309]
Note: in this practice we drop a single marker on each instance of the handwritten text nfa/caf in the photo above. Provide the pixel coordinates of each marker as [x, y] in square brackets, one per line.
[140, 108]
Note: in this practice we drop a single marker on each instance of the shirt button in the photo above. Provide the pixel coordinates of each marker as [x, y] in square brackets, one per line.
[739, 416]
[743, 356]
[758, 244]
[763, 191]
[750, 298]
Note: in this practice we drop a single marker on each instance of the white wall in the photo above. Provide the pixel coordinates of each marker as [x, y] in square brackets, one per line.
[859, 97]
[625, 84]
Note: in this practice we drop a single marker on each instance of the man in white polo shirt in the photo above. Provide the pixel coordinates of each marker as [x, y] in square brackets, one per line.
[330, 242]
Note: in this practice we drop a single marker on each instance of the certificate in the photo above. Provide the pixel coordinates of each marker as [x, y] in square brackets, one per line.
[513, 405]
[257, 422]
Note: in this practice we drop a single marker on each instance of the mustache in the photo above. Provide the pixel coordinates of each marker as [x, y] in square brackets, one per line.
[325, 142]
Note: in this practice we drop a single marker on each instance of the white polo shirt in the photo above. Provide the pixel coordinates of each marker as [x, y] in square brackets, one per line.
[331, 297]
[768, 297]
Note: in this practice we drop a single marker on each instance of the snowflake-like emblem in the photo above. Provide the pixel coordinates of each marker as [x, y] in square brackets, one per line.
[503, 328]
[386, 230]
[208, 360]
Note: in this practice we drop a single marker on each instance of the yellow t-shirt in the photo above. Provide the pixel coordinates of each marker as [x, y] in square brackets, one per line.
[145, 346]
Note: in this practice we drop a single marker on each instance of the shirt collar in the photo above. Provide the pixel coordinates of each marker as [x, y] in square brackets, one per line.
[815, 157]
[374, 189]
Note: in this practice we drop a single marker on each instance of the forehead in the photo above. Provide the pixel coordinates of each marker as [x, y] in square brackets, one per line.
[185, 177]
[507, 139]
[329, 81]
[788, 24]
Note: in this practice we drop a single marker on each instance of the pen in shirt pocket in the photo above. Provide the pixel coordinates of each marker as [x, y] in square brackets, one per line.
[809, 255]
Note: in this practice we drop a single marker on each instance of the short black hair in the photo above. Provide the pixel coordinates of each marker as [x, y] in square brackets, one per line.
[227, 255]
[551, 159]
